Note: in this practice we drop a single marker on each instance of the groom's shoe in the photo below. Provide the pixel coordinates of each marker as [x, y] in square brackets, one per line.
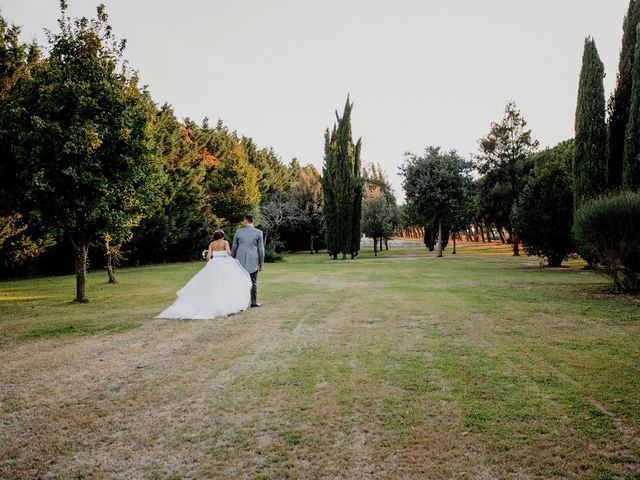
[256, 305]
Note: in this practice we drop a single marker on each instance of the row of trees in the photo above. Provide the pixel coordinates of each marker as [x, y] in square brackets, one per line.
[88, 159]
[579, 196]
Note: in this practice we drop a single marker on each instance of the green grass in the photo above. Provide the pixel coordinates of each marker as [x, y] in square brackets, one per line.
[401, 366]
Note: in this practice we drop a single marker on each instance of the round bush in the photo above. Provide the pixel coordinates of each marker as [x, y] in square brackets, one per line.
[543, 214]
[609, 229]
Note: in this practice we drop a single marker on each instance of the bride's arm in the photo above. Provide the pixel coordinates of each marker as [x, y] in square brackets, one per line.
[226, 244]
[210, 253]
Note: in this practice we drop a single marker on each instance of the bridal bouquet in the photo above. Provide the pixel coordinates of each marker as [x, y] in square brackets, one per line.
[204, 254]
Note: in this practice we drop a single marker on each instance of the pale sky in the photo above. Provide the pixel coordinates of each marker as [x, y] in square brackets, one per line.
[420, 72]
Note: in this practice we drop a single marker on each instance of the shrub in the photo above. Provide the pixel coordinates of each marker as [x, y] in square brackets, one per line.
[543, 214]
[271, 254]
[609, 229]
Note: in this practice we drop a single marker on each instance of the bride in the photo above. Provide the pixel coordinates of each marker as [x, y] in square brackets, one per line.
[222, 287]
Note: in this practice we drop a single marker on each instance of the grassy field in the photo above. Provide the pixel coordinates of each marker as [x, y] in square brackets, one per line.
[478, 365]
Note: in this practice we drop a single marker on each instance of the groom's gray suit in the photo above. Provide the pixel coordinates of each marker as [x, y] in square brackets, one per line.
[248, 249]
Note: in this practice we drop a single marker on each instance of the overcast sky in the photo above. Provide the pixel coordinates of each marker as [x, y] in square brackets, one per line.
[420, 72]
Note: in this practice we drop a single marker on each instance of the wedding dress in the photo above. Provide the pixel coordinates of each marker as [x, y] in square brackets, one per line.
[222, 287]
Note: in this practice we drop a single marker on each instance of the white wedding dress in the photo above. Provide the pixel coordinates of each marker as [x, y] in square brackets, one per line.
[222, 287]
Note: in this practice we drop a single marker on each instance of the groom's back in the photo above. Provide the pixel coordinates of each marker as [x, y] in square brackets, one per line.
[248, 248]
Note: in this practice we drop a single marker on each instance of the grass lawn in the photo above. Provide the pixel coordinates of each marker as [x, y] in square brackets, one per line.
[478, 365]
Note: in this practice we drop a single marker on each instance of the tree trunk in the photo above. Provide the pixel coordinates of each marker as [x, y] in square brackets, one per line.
[81, 247]
[479, 226]
[454, 244]
[108, 258]
[555, 261]
[439, 238]
[375, 247]
[501, 235]
[311, 244]
[386, 244]
[489, 232]
[516, 248]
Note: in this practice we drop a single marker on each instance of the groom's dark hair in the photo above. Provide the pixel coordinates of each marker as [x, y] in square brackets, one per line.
[249, 218]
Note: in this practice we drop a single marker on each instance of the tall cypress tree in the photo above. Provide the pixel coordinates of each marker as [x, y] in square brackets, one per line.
[356, 231]
[330, 206]
[590, 158]
[631, 161]
[621, 98]
[340, 184]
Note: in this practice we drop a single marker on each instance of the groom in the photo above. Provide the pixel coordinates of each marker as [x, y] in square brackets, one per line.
[248, 249]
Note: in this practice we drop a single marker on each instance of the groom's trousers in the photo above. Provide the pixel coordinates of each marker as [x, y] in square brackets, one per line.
[254, 287]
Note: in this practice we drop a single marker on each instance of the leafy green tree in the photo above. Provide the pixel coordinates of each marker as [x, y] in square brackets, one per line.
[563, 152]
[590, 159]
[342, 187]
[233, 186]
[543, 214]
[82, 148]
[307, 197]
[375, 177]
[620, 101]
[21, 239]
[505, 162]
[463, 209]
[435, 184]
[631, 161]
[16, 247]
[16, 57]
[178, 229]
[274, 177]
[376, 216]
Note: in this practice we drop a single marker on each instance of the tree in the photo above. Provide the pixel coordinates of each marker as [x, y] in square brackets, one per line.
[358, 192]
[435, 185]
[463, 209]
[275, 214]
[590, 158]
[563, 152]
[21, 239]
[233, 186]
[376, 216]
[620, 101]
[307, 197]
[375, 177]
[342, 187]
[16, 246]
[179, 227]
[505, 163]
[81, 144]
[543, 214]
[631, 160]
[274, 178]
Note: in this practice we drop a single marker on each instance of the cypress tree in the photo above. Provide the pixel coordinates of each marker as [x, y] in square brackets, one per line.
[631, 161]
[621, 98]
[340, 185]
[590, 158]
[356, 231]
[328, 182]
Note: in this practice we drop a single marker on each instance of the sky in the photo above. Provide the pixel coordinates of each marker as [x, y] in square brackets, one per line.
[419, 72]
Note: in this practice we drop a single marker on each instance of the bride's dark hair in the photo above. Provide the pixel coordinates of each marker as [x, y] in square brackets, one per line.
[218, 234]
